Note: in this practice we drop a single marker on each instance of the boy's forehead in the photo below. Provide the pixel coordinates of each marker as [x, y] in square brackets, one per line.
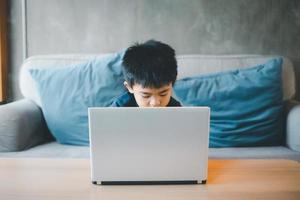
[150, 89]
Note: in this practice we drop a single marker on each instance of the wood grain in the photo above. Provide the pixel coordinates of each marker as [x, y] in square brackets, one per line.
[70, 179]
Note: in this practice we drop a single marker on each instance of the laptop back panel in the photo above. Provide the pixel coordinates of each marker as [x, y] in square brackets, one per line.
[149, 144]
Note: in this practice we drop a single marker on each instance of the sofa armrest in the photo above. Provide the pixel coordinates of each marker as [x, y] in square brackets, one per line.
[293, 125]
[21, 126]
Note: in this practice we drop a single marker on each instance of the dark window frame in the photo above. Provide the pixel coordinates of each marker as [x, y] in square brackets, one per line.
[3, 51]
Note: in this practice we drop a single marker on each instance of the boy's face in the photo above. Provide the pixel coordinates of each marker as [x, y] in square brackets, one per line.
[150, 97]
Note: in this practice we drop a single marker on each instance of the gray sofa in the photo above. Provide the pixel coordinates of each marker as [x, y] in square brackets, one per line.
[24, 133]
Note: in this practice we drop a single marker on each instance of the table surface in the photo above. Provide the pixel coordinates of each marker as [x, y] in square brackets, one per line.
[227, 179]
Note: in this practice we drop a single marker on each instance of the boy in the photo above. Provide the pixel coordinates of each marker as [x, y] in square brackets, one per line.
[150, 71]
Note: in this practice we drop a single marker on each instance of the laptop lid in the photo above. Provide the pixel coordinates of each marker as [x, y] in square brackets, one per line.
[149, 144]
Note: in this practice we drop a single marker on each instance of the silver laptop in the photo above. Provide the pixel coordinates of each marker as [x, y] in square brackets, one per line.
[149, 145]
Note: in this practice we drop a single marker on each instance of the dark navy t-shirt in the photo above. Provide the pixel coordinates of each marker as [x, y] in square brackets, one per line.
[127, 100]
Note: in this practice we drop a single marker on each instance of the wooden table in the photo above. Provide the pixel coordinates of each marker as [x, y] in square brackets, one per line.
[70, 179]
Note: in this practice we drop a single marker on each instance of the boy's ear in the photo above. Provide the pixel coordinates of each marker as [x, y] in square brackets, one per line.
[129, 88]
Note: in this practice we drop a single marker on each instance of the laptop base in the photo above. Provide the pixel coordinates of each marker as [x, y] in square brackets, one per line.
[149, 182]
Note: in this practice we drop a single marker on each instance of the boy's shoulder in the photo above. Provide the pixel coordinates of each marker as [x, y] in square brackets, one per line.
[125, 100]
[173, 103]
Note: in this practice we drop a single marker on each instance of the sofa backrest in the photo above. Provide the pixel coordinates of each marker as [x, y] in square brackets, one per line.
[188, 65]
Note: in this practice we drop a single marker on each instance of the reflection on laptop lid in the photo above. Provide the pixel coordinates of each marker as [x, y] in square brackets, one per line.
[149, 145]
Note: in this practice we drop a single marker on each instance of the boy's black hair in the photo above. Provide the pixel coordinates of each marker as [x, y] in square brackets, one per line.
[150, 64]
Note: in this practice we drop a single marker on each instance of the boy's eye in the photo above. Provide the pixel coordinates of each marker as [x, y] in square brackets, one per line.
[146, 97]
[162, 95]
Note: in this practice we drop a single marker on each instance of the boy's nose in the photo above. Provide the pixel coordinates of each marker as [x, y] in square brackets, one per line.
[154, 102]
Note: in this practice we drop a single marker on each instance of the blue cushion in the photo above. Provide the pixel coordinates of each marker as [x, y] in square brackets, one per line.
[66, 93]
[246, 104]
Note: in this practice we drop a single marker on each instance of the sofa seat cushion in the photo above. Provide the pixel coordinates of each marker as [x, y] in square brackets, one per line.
[273, 152]
[56, 150]
[51, 150]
